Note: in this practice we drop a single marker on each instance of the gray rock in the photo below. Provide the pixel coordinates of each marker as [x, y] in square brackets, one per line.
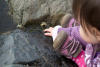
[24, 48]
[16, 65]
[23, 11]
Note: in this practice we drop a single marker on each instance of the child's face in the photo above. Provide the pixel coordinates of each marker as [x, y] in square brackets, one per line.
[88, 37]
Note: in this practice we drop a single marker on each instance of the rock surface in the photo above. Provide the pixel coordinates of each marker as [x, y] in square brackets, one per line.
[21, 49]
[29, 47]
[23, 11]
[6, 22]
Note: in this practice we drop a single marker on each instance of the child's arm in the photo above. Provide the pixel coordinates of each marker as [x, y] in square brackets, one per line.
[67, 45]
[61, 37]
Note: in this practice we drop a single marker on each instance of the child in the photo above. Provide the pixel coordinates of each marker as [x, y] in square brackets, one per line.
[79, 43]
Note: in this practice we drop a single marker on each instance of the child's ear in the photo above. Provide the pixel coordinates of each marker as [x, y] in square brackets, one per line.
[98, 38]
[95, 31]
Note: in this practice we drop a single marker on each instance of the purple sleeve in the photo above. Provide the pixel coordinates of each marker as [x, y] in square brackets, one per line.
[71, 31]
[74, 32]
[68, 30]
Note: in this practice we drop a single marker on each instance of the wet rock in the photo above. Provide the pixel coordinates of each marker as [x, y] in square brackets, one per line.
[26, 10]
[22, 49]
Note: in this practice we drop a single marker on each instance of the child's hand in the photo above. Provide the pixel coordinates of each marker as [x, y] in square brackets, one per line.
[48, 32]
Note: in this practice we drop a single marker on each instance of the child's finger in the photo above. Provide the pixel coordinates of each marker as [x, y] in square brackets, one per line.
[47, 30]
[47, 34]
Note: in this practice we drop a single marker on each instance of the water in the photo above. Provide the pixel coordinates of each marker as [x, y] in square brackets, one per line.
[6, 22]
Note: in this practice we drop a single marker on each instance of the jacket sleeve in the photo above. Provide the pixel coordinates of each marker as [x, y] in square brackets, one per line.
[71, 46]
[74, 32]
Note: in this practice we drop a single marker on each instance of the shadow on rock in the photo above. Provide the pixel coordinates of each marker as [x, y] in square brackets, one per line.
[24, 49]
